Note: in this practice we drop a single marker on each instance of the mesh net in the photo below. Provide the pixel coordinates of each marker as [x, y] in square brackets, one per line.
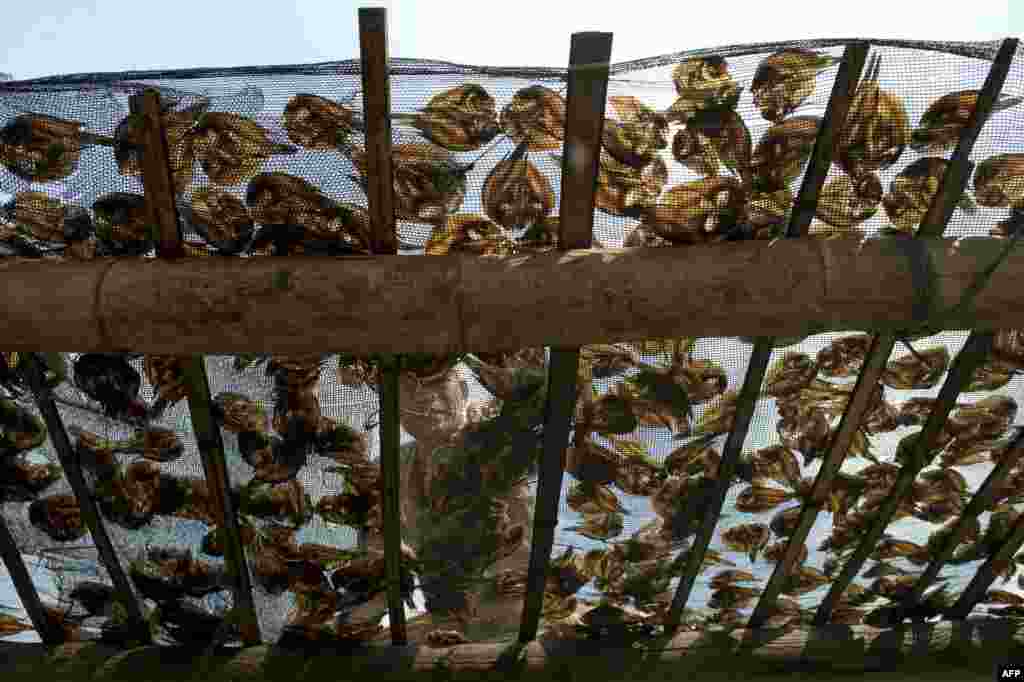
[267, 160]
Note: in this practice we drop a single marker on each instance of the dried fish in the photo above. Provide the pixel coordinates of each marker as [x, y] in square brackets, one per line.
[536, 116]
[785, 79]
[943, 123]
[877, 129]
[516, 195]
[702, 83]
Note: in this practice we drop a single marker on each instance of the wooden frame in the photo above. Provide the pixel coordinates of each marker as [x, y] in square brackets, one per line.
[456, 303]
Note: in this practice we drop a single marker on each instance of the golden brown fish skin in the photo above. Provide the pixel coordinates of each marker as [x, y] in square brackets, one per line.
[999, 181]
[785, 79]
[536, 115]
[318, 123]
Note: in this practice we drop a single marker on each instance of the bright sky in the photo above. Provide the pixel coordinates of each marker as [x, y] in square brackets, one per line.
[51, 37]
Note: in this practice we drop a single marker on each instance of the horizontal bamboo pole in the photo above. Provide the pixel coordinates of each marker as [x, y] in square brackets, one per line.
[451, 303]
[832, 648]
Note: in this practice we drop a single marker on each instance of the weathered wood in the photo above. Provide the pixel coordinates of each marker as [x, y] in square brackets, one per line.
[973, 354]
[981, 502]
[585, 101]
[373, 45]
[586, 91]
[745, 404]
[211, 451]
[455, 303]
[47, 630]
[860, 401]
[832, 124]
[832, 648]
[373, 60]
[157, 178]
[954, 180]
[86, 504]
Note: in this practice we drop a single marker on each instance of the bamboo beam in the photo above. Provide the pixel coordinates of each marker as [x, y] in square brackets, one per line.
[967, 361]
[987, 572]
[745, 404]
[954, 181]
[211, 451]
[860, 401]
[47, 630]
[456, 303]
[828, 649]
[373, 45]
[804, 209]
[832, 124]
[90, 513]
[587, 89]
[981, 501]
[157, 179]
[158, 182]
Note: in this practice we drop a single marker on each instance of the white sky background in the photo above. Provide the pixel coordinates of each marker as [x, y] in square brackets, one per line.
[53, 38]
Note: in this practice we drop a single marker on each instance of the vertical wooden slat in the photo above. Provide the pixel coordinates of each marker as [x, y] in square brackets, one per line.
[976, 589]
[373, 46]
[589, 58]
[48, 631]
[373, 54]
[803, 212]
[211, 451]
[832, 124]
[967, 362]
[745, 404]
[158, 183]
[981, 502]
[860, 401]
[73, 470]
[954, 181]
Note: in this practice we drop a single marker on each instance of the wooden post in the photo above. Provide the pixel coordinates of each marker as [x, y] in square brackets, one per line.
[981, 502]
[954, 181]
[874, 366]
[373, 45]
[803, 212]
[158, 181]
[589, 58]
[47, 630]
[211, 450]
[967, 362]
[73, 470]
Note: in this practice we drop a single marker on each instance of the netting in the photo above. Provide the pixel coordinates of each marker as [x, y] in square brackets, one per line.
[270, 161]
